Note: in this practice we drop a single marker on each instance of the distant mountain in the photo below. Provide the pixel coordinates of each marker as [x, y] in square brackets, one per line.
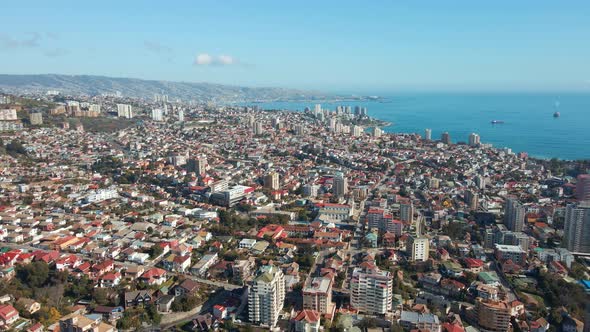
[132, 87]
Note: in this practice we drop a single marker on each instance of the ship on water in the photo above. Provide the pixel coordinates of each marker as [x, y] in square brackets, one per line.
[557, 114]
[497, 121]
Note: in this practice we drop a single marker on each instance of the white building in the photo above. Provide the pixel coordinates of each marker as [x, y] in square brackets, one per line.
[101, 195]
[418, 248]
[157, 114]
[473, 139]
[8, 114]
[371, 290]
[247, 243]
[357, 131]
[124, 111]
[266, 296]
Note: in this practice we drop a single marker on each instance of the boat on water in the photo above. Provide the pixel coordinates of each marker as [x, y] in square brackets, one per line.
[497, 121]
[556, 115]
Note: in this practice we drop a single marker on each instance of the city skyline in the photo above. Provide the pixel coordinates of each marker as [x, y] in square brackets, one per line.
[333, 47]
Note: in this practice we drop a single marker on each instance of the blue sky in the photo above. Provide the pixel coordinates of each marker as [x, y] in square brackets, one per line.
[348, 46]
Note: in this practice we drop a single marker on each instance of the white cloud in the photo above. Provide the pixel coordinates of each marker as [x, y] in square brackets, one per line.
[225, 60]
[205, 59]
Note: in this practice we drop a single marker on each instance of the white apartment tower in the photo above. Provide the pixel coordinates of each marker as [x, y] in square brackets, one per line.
[157, 114]
[371, 290]
[124, 111]
[266, 296]
[473, 139]
[418, 248]
[258, 130]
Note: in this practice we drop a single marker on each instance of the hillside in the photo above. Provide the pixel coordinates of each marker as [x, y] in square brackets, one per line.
[138, 88]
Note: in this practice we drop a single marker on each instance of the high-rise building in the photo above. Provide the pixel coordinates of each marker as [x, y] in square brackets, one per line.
[197, 165]
[480, 181]
[371, 290]
[8, 114]
[275, 122]
[577, 227]
[94, 108]
[357, 131]
[317, 109]
[258, 130]
[36, 118]
[376, 132]
[251, 120]
[181, 115]
[514, 214]
[124, 111]
[474, 139]
[418, 248]
[492, 315]
[471, 199]
[428, 134]
[317, 295]
[299, 130]
[445, 138]
[311, 190]
[583, 187]
[157, 114]
[406, 212]
[340, 185]
[271, 181]
[266, 296]
[433, 183]
[332, 124]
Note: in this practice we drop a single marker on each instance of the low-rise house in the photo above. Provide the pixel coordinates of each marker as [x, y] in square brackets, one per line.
[76, 323]
[200, 268]
[109, 313]
[30, 306]
[154, 276]
[186, 287]
[8, 316]
[177, 263]
[410, 320]
[165, 303]
[138, 298]
[110, 280]
[307, 321]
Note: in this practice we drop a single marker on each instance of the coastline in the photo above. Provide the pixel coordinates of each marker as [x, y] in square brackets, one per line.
[529, 125]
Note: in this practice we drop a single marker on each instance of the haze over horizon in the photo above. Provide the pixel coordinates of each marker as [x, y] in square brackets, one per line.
[329, 46]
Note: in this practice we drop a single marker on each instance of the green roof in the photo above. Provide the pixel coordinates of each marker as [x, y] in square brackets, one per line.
[488, 277]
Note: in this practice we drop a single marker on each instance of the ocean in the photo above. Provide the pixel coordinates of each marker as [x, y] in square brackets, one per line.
[529, 125]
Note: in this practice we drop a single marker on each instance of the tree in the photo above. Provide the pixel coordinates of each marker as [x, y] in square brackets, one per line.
[54, 315]
[34, 274]
[101, 296]
[155, 251]
[395, 327]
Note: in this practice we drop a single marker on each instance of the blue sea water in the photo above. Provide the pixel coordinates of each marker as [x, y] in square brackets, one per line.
[528, 126]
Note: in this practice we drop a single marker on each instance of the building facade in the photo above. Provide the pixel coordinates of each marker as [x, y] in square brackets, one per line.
[266, 296]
